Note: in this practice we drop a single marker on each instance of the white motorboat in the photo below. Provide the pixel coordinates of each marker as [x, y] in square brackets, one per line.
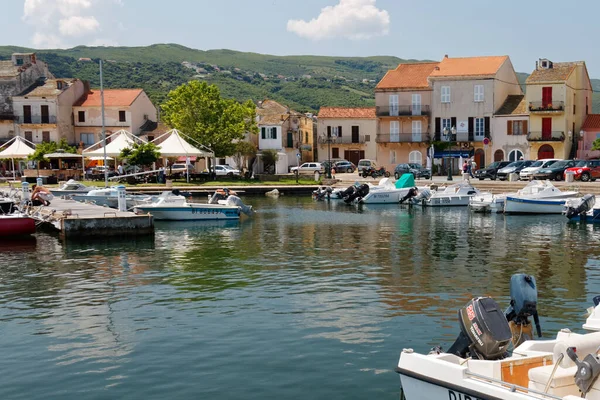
[453, 195]
[109, 197]
[389, 192]
[523, 205]
[173, 207]
[72, 187]
[329, 193]
[487, 202]
[478, 366]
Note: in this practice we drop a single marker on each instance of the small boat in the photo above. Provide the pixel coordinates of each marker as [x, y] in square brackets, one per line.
[389, 192]
[487, 202]
[72, 187]
[173, 207]
[458, 194]
[109, 197]
[583, 209]
[523, 205]
[481, 365]
[16, 224]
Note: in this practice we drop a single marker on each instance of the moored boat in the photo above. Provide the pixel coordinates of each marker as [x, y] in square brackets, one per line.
[16, 224]
[458, 194]
[72, 187]
[583, 209]
[109, 197]
[390, 192]
[523, 205]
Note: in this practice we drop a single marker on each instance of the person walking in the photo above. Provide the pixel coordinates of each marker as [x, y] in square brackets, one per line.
[465, 170]
[472, 167]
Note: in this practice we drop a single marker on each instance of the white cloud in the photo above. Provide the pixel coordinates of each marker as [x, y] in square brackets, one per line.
[352, 19]
[78, 26]
[63, 23]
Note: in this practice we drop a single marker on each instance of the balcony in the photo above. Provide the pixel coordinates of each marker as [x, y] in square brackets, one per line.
[404, 137]
[7, 116]
[37, 119]
[546, 108]
[387, 111]
[343, 140]
[538, 136]
[462, 137]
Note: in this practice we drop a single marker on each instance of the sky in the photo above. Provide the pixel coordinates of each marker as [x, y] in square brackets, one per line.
[524, 30]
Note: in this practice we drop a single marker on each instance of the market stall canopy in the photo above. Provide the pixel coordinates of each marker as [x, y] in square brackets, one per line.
[172, 144]
[118, 141]
[100, 158]
[19, 148]
[62, 154]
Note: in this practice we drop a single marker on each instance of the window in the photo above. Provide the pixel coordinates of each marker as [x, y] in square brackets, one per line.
[517, 127]
[335, 152]
[81, 116]
[268, 133]
[29, 136]
[122, 116]
[19, 61]
[45, 136]
[394, 131]
[305, 137]
[394, 105]
[87, 139]
[445, 94]
[479, 127]
[273, 133]
[446, 123]
[45, 114]
[26, 114]
[415, 157]
[515, 155]
[392, 157]
[478, 93]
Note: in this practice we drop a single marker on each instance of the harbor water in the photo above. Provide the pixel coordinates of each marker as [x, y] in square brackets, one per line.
[305, 300]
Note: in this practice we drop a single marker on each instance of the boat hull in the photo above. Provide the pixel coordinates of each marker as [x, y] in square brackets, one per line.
[16, 225]
[191, 212]
[515, 205]
[110, 201]
[592, 216]
[416, 387]
[447, 201]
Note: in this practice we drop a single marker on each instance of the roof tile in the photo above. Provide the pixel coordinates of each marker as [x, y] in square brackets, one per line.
[559, 72]
[347, 112]
[112, 98]
[513, 105]
[592, 122]
[469, 66]
[407, 76]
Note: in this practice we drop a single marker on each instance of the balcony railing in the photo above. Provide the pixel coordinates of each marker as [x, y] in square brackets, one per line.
[539, 106]
[8, 116]
[462, 137]
[538, 136]
[395, 111]
[343, 140]
[37, 119]
[404, 137]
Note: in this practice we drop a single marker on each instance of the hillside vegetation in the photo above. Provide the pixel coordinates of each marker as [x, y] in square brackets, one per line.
[303, 82]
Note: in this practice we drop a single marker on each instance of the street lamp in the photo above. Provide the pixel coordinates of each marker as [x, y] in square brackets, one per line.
[327, 138]
[448, 135]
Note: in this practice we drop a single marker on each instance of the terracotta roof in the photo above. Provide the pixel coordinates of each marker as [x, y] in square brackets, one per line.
[407, 76]
[558, 73]
[112, 98]
[347, 112]
[469, 66]
[271, 107]
[272, 119]
[592, 122]
[513, 105]
[48, 88]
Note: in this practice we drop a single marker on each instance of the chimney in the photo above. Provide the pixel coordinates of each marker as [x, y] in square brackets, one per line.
[437, 68]
[445, 55]
[536, 65]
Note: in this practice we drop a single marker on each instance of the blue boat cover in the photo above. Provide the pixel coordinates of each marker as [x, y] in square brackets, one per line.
[405, 181]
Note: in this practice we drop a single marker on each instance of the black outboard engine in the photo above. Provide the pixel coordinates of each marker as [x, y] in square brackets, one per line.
[484, 331]
[412, 192]
[322, 193]
[357, 193]
[587, 203]
[523, 304]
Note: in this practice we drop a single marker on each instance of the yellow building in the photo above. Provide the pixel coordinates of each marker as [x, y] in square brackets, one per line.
[559, 97]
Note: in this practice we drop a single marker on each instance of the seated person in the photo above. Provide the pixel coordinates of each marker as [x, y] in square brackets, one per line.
[40, 196]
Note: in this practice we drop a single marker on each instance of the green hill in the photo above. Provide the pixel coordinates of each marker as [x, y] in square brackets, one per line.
[303, 82]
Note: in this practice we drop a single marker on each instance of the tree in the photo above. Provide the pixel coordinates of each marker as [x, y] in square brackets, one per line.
[270, 158]
[596, 144]
[49, 147]
[243, 152]
[141, 154]
[197, 109]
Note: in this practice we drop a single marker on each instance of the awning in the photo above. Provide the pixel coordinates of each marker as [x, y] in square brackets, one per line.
[184, 159]
[452, 154]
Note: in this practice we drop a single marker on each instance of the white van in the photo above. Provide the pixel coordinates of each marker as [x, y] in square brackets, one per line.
[365, 163]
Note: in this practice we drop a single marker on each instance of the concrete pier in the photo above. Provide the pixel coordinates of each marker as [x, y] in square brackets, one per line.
[77, 219]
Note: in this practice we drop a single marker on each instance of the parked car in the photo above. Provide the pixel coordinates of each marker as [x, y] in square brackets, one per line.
[415, 169]
[527, 173]
[555, 171]
[344, 166]
[226, 170]
[491, 171]
[181, 168]
[308, 167]
[513, 168]
[586, 170]
[366, 163]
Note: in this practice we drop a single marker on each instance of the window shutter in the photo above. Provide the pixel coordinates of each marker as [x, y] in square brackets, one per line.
[471, 124]
[339, 131]
[263, 132]
[328, 131]
[453, 122]
[525, 132]
[509, 127]
[273, 133]
[487, 124]
[438, 125]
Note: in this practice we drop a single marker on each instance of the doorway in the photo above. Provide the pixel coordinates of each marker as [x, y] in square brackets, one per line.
[355, 134]
[498, 155]
[354, 155]
[546, 151]
[480, 158]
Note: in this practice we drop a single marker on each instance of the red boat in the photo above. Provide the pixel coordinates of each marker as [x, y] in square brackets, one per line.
[16, 225]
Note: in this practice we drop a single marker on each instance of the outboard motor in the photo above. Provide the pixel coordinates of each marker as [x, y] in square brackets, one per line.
[523, 304]
[424, 195]
[322, 193]
[236, 201]
[484, 331]
[586, 204]
[412, 192]
[357, 193]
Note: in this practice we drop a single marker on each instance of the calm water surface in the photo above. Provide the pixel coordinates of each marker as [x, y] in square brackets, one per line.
[305, 300]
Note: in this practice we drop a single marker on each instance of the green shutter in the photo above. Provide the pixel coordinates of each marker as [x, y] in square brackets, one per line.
[290, 139]
[263, 132]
